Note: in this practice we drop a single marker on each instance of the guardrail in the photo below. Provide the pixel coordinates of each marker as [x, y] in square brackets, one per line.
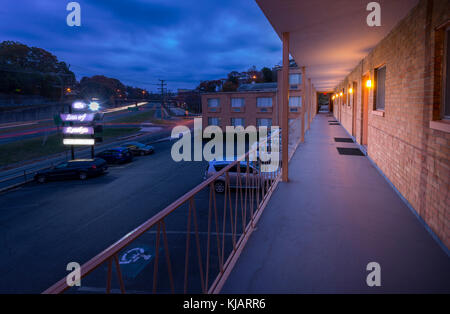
[227, 221]
[26, 175]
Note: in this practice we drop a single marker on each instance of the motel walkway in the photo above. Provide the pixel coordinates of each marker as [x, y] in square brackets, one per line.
[336, 215]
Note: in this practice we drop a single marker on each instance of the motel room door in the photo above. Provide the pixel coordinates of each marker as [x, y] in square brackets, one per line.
[365, 110]
[354, 104]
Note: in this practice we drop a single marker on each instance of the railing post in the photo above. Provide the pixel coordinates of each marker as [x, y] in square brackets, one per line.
[285, 107]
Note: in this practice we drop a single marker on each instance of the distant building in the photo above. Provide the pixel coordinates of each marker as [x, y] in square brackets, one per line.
[254, 104]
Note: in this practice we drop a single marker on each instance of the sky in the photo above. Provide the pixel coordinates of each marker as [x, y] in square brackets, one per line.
[141, 41]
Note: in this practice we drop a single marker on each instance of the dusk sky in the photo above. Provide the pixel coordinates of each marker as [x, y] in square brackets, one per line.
[140, 41]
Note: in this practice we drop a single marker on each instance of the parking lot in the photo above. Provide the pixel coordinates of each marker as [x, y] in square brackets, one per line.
[46, 226]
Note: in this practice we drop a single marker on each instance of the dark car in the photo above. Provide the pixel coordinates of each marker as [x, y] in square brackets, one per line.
[117, 155]
[139, 148]
[73, 169]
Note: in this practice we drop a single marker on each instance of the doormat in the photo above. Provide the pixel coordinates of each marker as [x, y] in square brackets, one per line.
[350, 151]
[343, 140]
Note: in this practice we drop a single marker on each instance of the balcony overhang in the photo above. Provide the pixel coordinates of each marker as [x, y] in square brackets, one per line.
[330, 37]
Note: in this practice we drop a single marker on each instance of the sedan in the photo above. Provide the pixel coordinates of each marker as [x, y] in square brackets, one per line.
[139, 148]
[117, 155]
[73, 169]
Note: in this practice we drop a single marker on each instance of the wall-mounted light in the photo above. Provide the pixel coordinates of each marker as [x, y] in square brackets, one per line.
[341, 94]
[350, 90]
[368, 83]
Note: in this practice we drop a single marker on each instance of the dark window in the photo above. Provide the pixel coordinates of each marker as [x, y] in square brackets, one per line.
[380, 80]
[447, 77]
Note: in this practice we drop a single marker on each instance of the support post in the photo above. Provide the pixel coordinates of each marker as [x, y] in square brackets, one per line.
[304, 104]
[285, 109]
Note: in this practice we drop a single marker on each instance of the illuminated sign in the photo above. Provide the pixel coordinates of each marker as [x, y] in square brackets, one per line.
[79, 141]
[77, 117]
[79, 105]
[79, 130]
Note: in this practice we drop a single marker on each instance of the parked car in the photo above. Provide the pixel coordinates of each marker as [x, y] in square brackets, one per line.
[139, 148]
[117, 155]
[79, 168]
[219, 185]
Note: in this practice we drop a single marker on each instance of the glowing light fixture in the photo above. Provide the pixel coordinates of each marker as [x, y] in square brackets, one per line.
[341, 94]
[79, 105]
[79, 141]
[94, 106]
[350, 90]
[368, 83]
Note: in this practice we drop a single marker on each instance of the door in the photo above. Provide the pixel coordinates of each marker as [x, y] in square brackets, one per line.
[354, 104]
[365, 111]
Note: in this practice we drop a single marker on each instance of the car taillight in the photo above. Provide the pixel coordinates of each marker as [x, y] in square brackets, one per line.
[94, 167]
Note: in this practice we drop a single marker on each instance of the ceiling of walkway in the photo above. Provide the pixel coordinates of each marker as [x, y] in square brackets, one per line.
[330, 37]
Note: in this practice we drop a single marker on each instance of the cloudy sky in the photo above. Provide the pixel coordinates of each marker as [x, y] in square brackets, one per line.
[140, 41]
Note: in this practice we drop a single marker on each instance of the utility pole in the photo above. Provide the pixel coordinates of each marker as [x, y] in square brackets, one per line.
[161, 89]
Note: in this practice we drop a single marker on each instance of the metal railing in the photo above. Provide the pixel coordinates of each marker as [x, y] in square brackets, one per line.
[216, 229]
[22, 177]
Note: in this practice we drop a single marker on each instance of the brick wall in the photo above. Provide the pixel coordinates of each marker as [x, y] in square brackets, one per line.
[412, 155]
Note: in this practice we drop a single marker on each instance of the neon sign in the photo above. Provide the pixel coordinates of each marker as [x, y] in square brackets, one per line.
[79, 130]
[77, 117]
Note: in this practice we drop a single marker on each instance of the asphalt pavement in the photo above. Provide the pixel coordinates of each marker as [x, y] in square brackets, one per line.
[44, 227]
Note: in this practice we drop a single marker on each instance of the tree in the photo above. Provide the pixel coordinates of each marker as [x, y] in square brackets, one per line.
[267, 75]
[32, 70]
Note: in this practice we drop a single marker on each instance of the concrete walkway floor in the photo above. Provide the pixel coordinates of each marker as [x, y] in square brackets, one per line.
[336, 215]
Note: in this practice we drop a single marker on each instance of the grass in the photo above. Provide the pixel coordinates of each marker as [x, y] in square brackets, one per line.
[30, 149]
[146, 116]
[118, 132]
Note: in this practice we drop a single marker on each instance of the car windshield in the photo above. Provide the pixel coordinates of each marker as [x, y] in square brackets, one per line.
[136, 144]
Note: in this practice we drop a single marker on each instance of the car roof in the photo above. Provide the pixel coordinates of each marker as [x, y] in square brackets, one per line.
[81, 160]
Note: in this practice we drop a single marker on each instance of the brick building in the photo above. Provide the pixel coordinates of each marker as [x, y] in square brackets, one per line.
[254, 104]
[390, 85]
[401, 120]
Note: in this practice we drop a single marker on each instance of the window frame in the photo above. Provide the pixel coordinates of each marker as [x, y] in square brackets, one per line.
[445, 75]
[376, 89]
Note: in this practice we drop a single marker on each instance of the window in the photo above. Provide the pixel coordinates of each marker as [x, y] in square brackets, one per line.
[238, 122]
[264, 122]
[446, 81]
[264, 102]
[295, 79]
[295, 102]
[214, 121]
[380, 80]
[213, 104]
[237, 104]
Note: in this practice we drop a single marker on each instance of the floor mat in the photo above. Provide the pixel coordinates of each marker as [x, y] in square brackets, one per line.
[350, 151]
[343, 140]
